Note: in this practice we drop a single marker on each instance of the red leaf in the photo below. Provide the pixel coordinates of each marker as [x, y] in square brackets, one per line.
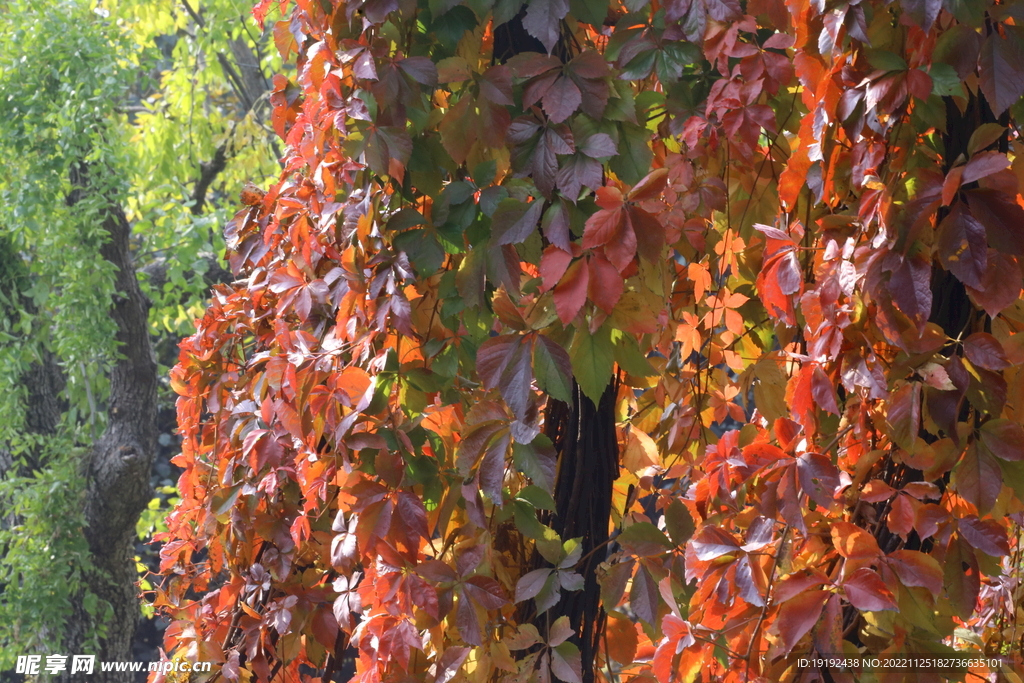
[543, 21]
[450, 663]
[602, 227]
[606, 285]
[492, 466]
[467, 623]
[917, 569]
[420, 69]
[555, 225]
[852, 542]
[561, 99]
[962, 246]
[496, 84]
[978, 479]
[904, 414]
[928, 519]
[911, 288]
[1002, 217]
[650, 234]
[901, 515]
[798, 615]
[516, 380]
[650, 187]
[553, 263]
[589, 64]
[1001, 284]
[711, 542]
[867, 592]
[493, 356]
[609, 198]
[987, 535]
[598, 146]
[643, 596]
[621, 250]
[530, 64]
[951, 184]
[1004, 438]
[984, 164]
[985, 351]
[571, 292]
[485, 591]
[823, 391]
[1002, 68]
[819, 478]
[919, 84]
[577, 172]
[797, 583]
[411, 517]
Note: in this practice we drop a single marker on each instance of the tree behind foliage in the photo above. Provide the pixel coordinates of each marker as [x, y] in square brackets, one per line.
[670, 341]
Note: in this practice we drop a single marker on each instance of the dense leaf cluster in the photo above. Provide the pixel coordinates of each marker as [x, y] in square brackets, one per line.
[781, 240]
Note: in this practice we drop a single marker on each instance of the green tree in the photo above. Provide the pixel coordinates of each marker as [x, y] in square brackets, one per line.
[122, 143]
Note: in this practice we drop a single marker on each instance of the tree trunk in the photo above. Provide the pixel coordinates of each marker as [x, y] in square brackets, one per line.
[588, 464]
[118, 466]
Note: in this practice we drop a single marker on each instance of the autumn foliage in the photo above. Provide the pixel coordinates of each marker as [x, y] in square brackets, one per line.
[664, 341]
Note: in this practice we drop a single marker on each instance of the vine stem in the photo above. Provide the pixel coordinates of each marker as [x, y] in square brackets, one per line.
[767, 600]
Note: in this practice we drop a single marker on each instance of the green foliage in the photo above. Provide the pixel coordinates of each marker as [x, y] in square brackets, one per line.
[64, 161]
[121, 113]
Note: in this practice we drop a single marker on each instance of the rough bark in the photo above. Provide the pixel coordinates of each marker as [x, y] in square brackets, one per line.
[118, 466]
[588, 464]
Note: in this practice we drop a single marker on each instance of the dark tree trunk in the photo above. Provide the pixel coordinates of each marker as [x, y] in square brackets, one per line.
[588, 464]
[117, 468]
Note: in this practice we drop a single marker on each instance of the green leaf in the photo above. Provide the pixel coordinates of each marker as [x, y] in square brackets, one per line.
[679, 522]
[537, 497]
[450, 27]
[644, 539]
[591, 11]
[423, 250]
[945, 80]
[629, 357]
[537, 461]
[553, 369]
[634, 159]
[592, 358]
[223, 500]
[883, 60]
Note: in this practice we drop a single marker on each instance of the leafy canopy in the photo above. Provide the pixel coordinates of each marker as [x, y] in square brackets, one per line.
[783, 238]
[95, 121]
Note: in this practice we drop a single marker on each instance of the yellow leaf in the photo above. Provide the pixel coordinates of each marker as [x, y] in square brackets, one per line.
[641, 452]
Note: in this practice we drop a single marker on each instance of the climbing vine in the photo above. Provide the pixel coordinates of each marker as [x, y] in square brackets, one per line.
[599, 341]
